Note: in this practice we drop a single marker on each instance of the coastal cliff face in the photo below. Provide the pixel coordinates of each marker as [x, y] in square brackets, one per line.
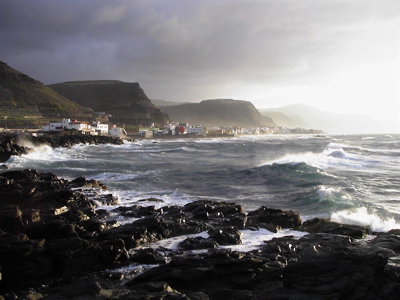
[126, 102]
[219, 112]
[23, 99]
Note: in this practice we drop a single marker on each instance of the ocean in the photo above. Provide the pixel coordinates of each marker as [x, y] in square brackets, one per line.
[352, 179]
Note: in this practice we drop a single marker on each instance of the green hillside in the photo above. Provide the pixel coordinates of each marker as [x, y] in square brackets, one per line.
[24, 100]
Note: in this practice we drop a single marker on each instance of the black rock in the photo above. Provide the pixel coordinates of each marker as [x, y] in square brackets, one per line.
[326, 226]
[198, 243]
[277, 217]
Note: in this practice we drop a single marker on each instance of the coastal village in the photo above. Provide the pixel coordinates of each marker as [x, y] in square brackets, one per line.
[96, 128]
[173, 129]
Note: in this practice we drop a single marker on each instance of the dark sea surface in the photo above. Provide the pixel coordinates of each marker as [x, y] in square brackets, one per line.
[349, 178]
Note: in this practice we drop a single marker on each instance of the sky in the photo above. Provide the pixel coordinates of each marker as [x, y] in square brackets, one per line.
[335, 55]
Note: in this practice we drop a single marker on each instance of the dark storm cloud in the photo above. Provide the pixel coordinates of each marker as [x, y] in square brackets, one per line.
[188, 49]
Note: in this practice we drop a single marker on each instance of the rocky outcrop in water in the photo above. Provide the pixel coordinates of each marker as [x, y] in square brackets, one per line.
[56, 243]
[9, 147]
[70, 140]
[11, 144]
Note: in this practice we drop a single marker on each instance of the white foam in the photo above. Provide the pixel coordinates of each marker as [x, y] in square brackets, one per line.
[132, 270]
[172, 243]
[328, 194]
[169, 197]
[110, 176]
[307, 157]
[253, 239]
[42, 154]
[212, 141]
[362, 217]
[333, 156]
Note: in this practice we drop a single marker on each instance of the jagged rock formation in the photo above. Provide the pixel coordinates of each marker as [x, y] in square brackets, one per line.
[126, 101]
[219, 112]
[25, 100]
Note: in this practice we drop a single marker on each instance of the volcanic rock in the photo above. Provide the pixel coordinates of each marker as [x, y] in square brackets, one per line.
[273, 219]
[53, 239]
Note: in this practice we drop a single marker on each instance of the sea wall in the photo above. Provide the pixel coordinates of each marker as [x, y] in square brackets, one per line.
[56, 242]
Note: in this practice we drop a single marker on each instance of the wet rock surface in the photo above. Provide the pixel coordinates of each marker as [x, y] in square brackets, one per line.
[56, 243]
[10, 146]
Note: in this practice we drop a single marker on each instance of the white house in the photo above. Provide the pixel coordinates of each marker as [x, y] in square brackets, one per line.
[57, 126]
[67, 124]
[100, 128]
[170, 128]
[79, 126]
[117, 132]
[195, 130]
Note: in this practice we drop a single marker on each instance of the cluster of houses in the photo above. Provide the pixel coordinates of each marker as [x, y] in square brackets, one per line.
[172, 129]
[96, 128]
[260, 130]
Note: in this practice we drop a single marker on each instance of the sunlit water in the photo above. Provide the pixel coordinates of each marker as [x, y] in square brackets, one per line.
[350, 178]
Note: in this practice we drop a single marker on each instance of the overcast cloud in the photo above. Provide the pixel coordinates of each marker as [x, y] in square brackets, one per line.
[269, 52]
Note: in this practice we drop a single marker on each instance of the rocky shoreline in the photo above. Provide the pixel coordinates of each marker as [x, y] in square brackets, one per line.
[58, 242]
[14, 144]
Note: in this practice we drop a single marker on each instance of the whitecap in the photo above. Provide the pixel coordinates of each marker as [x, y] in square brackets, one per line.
[331, 194]
[40, 155]
[338, 153]
[109, 176]
[336, 157]
[362, 217]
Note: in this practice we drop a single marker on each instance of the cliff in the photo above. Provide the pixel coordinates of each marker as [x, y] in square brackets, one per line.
[219, 112]
[23, 99]
[126, 102]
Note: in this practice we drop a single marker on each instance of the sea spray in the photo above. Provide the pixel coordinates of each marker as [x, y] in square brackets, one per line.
[362, 217]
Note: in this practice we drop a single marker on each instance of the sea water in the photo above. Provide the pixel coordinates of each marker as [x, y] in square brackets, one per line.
[353, 179]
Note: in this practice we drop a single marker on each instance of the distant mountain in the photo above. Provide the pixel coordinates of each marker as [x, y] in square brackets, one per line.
[284, 120]
[326, 121]
[162, 103]
[25, 100]
[219, 112]
[126, 101]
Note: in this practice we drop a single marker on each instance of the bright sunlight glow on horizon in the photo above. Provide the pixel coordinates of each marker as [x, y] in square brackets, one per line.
[334, 55]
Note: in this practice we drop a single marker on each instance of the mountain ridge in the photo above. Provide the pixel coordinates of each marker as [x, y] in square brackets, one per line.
[22, 97]
[219, 112]
[126, 101]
